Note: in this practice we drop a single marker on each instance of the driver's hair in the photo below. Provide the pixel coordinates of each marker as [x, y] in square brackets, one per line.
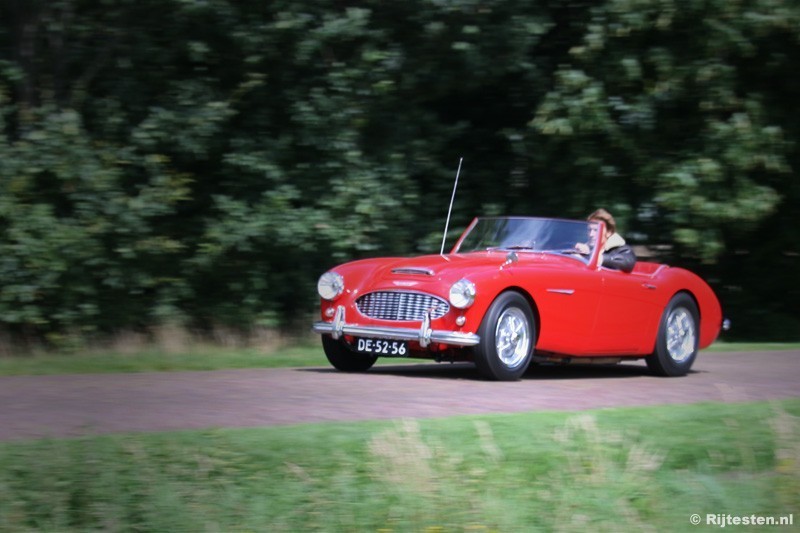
[605, 216]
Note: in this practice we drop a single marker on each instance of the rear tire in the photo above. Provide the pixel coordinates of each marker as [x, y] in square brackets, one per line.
[344, 359]
[678, 337]
[508, 334]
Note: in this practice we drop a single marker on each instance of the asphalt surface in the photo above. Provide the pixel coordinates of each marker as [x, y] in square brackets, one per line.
[75, 405]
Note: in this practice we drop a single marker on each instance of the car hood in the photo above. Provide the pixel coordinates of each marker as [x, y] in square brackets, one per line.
[432, 273]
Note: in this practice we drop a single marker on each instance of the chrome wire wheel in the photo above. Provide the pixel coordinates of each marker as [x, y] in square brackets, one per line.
[677, 339]
[507, 338]
[681, 334]
[512, 337]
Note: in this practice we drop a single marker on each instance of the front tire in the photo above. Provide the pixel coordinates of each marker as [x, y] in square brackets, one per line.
[508, 334]
[344, 359]
[678, 337]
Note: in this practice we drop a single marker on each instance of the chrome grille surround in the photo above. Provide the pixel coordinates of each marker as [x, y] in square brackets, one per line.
[404, 306]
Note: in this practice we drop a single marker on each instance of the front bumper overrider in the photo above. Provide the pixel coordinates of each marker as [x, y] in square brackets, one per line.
[424, 335]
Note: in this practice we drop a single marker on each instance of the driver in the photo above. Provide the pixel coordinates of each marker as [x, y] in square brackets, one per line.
[616, 254]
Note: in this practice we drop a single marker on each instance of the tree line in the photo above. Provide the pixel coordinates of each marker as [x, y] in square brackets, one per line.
[201, 162]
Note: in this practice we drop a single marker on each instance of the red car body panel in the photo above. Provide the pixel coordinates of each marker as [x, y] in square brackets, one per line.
[582, 310]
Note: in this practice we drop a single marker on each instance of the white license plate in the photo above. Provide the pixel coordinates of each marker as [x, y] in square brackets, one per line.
[382, 347]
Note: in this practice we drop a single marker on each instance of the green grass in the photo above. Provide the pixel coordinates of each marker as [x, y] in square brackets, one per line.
[208, 358]
[607, 470]
[721, 346]
[156, 360]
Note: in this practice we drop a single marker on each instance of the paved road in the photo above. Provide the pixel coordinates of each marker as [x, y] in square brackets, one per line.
[72, 405]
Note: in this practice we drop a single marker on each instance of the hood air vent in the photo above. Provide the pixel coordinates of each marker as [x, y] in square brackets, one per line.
[414, 271]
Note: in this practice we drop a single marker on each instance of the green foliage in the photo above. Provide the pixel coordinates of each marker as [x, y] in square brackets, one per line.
[80, 242]
[201, 163]
[612, 469]
[657, 109]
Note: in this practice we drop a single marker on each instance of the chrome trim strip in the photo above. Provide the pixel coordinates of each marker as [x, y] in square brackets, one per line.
[562, 291]
[424, 335]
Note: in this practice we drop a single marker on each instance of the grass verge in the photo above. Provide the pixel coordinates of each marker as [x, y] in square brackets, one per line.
[646, 469]
[721, 346]
[211, 358]
[203, 358]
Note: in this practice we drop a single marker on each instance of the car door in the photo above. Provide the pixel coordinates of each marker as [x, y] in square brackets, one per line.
[625, 313]
[567, 301]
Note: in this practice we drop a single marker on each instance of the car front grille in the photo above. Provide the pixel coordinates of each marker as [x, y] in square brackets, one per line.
[400, 305]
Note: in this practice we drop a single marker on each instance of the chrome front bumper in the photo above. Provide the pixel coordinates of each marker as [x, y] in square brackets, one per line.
[424, 335]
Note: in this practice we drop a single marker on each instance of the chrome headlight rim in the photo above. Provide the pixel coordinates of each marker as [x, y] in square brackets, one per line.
[462, 294]
[330, 285]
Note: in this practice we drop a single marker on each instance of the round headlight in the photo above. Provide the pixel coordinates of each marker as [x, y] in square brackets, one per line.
[330, 285]
[462, 293]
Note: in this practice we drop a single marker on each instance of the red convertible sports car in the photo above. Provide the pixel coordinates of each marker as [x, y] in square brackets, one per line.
[511, 292]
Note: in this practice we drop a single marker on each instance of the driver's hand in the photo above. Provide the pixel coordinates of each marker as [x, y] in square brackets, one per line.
[582, 248]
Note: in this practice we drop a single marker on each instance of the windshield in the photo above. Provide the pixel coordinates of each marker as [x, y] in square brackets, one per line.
[531, 234]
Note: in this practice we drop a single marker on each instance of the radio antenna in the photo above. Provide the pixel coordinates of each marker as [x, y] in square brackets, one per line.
[450, 210]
